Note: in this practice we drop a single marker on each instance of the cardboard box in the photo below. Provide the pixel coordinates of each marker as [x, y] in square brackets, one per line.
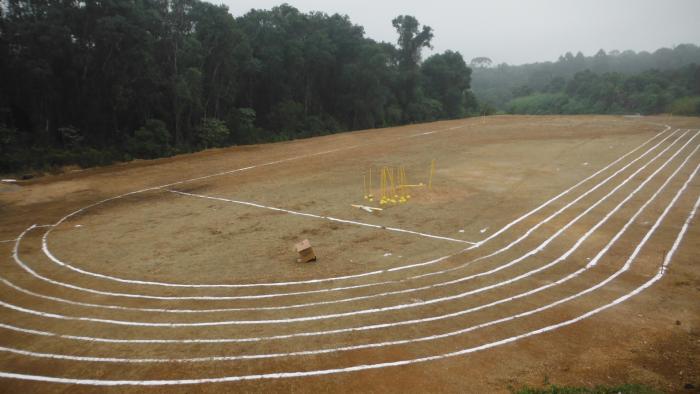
[306, 252]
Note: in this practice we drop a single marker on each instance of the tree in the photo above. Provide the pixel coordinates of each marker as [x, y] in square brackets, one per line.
[150, 141]
[212, 132]
[412, 39]
[481, 62]
[446, 78]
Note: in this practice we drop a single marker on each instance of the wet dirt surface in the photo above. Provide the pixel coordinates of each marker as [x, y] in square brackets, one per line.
[133, 261]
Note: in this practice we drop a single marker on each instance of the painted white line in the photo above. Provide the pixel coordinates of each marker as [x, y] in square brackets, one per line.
[511, 263]
[314, 216]
[170, 284]
[520, 219]
[8, 240]
[280, 375]
[532, 229]
[431, 301]
[593, 262]
[581, 240]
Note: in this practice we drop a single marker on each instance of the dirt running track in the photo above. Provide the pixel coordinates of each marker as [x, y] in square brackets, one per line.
[557, 248]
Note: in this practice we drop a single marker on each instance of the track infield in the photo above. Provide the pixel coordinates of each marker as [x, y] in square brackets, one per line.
[557, 247]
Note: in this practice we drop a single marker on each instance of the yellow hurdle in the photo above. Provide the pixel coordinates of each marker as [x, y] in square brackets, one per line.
[393, 184]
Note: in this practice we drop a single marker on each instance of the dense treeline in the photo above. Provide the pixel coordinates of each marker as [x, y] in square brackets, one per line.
[92, 81]
[650, 92]
[496, 86]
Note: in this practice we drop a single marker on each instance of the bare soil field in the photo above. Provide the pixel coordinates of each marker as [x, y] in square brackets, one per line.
[559, 249]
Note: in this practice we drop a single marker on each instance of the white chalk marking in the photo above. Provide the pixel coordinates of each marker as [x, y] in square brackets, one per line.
[435, 300]
[597, 258]
[661, 272]
[537, 209]
[53, 258]
[329, 218]
[555, 214]
[481, 274]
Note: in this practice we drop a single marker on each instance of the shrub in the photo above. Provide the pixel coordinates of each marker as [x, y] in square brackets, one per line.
[623, 389]
[685, 106]
[286, 117]
[90, 157]
[150, 141]
[539, 104]
[70, 136]
[212, 132]
[8, 138]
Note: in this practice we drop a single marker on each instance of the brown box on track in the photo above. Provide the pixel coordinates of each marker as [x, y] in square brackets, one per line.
[306, 252]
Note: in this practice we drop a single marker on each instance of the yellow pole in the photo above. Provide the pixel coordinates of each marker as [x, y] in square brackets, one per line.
[382, 186]
[364, 186]
[432, 170]
[404, 178]
[405, 185]
[370, 183]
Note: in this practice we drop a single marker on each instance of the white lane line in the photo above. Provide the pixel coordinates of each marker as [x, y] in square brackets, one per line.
[552, 216]
[415, 304]
[228, 172]
[131, 295]
[8, 240]
[314, 216]
[458, 280]
[518, 220]
[594, 262]
[290, 159]
[544, 244]
[169, 284]
[280, 375]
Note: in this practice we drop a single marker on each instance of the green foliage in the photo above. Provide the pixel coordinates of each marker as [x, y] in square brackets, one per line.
[499, 84]
[685, 106]
[212, 132]
[412, 39]
[94, 77]
[90, 157]
[424, 109]
[287, 118]
[10, 158]
[246, 118]
[8, 139]
[71, 137]
[622, 389]
[150, 141]
[242, 125]
[539, 104]
[650, 92]
[446, 78]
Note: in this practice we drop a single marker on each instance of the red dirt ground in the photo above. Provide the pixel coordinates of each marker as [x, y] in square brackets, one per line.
[488, 173]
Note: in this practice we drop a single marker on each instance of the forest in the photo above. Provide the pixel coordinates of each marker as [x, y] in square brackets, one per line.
[92, 82]
[667, 80]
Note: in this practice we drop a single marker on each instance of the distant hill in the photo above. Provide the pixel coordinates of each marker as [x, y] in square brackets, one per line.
[496, 86]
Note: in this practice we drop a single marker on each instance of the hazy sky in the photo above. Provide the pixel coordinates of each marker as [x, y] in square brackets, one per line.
[519, 31]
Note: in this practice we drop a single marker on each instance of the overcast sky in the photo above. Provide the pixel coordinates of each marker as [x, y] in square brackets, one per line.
[519, 31]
